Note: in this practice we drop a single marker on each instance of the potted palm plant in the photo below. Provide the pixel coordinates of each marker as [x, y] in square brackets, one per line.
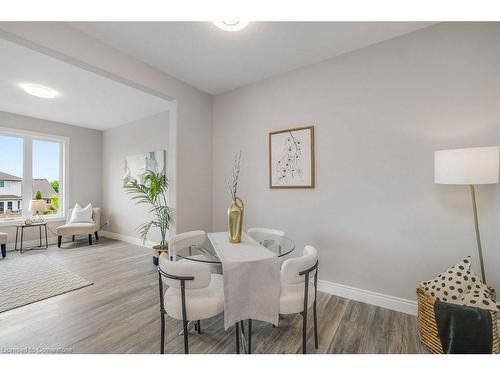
[153, 193]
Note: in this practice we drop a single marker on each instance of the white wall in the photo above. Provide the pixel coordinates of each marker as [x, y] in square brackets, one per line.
[84, 161]
[193, 125]
[379, 221]
[148, 134]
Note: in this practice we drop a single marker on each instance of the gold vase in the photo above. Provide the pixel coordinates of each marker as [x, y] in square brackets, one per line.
[235, 220]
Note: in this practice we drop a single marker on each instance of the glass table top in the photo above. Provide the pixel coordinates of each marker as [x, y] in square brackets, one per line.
[206, 253]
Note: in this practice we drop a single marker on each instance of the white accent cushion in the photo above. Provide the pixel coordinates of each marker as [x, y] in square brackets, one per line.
[200, 303]
[81, 215]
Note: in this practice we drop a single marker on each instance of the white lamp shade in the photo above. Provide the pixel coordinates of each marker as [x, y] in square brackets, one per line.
[467, 166]
[37, 205]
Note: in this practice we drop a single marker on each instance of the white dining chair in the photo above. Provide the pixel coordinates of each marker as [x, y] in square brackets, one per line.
[266, 236]
[193, 293]
[298, 291]
[262, 235]
[187, 240]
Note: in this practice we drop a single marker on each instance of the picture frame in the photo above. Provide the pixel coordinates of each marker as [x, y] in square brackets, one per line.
[291, 158]
[134, 166]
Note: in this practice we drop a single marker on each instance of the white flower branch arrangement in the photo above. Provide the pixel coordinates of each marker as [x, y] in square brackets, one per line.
[233, 184]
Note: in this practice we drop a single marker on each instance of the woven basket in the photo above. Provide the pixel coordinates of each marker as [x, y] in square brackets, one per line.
[427, 327]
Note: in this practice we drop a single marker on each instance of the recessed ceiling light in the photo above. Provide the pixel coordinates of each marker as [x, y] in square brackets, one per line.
[39, 90]
[231, 25]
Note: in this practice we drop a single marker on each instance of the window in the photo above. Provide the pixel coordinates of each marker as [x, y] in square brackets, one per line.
[46, 170]
[11, 173]
[32, 166]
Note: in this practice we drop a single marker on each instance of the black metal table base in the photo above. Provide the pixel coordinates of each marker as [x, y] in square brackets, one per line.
[39, 225]
[243, 339]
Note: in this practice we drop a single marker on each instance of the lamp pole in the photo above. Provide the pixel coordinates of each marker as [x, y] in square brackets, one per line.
[478, 237]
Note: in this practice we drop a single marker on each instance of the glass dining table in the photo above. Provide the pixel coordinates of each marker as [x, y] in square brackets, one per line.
[206, 254]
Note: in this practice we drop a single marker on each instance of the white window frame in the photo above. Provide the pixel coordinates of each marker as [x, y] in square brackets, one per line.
[27, 183]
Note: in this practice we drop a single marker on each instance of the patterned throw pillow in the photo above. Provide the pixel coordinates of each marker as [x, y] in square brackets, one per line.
[452, 284]
[480, 296]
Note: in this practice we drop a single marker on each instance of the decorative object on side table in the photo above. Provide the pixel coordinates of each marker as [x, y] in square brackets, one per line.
[291, 158]
[37, 205]
[236, 208]
[152, 191]
[468, 166]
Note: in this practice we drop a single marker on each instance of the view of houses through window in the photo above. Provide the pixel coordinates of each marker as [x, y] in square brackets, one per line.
[45, 175]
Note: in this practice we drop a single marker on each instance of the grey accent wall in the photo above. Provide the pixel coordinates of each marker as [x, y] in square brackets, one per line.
[148, 134]
[377, 218]
[84, 160]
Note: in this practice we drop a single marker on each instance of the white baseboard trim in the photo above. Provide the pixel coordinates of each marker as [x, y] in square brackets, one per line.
[128, 239]
[373, 298]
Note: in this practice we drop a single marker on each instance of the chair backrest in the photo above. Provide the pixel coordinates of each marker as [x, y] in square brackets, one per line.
[261, 235]
[176, 270]
[291, 268]
[96, 216]
[183, 240]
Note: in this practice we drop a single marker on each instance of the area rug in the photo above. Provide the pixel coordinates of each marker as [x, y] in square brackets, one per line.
[31, 278]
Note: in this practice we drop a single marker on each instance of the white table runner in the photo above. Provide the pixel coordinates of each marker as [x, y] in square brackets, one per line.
[251, 279]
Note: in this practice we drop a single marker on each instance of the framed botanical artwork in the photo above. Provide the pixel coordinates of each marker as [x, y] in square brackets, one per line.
[291, 158]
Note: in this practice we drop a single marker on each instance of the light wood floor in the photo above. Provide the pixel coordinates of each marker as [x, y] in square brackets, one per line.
[120, 314]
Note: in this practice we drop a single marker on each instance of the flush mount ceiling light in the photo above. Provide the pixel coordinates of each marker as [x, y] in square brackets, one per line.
[231, 25]
[39, 90]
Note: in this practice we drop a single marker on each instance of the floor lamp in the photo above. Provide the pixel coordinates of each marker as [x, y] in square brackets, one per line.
[468, 166]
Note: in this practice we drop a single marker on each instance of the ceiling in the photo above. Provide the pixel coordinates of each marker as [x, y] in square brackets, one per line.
[217, 61]
[86, 99]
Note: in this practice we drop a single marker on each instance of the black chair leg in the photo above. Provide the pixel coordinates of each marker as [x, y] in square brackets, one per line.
[237, 330]
[316, 341]
[73, 238]
[162, 340]
[4, 250]
[96, 236]
[90, 239]
[198, 327]
[186, 344]
[249, 336]
[304, 331]
[59, 240]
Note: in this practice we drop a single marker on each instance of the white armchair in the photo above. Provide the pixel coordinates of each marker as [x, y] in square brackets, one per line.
[298, 292]
[74, 229]
[193, 294]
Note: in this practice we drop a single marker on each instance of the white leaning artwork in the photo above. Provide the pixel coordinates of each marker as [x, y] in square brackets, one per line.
[291, 158]
[135, 165]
